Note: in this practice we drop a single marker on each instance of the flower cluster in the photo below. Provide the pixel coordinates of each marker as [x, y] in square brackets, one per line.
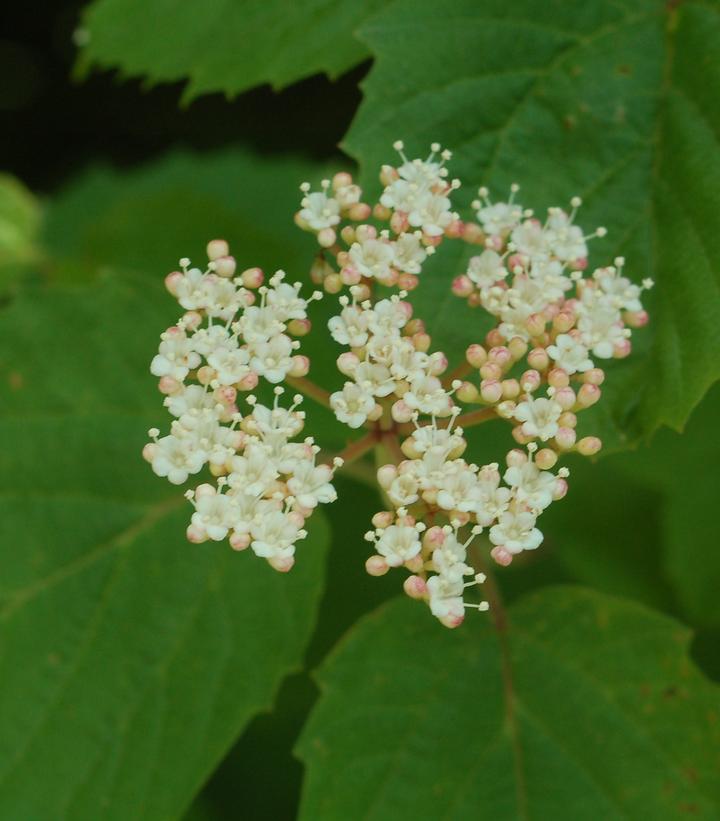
[224, 344]
[415, 205]
[535, 371]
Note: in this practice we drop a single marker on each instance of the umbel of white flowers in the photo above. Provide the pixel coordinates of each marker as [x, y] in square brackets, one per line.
[535, 370]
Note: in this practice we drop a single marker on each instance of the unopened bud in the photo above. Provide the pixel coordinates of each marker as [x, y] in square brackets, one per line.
[490, 391]
[589, 446]
[467, 392]
[538, 359]
[401, 411]
[462, 286]
[225, 266]
[588, 395]
[252, 278]
[546, 459]
[565, 438]
[565, 397]
[386, 475]
[326, 237]
[501, 555]
[415, 587]
[476, 356]
[558, 378]
[217, 248]
[510, 388]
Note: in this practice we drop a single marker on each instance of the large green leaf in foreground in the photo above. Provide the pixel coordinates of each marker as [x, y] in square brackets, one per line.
[616, 102]
[584, 707]
[130, 660]
[228, 47]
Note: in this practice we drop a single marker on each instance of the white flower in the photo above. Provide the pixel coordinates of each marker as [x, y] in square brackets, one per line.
[516, 532]
[431, 212]
[320, 211]
[213, 516]
[274, 535]
[352, 404]
[310, 484]
[252, 472]
[409, 253]
[351, 327]
[277, 421]
[532, 486]
[387, 316]
[222, 298]
[176, 356]
[189, 290]
[569, 354]
[259, 324]
[273, 359]
[446, 598]
[374, 378]
[230, 365]
[206, 340]
[499, 217]
[284, 300]
[403, 490]
[398, 544]
[530, 239]
[486, 269]
[189, 398]
[624, 294]
[427, 395]
[565, 240]
[400, 195]
[492, 499]
[458, 490]
[176, 458]
[372, 258]
[539, 417]
[601, 329]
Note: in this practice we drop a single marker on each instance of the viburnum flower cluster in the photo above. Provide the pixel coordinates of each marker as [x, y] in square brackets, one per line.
[536, 370]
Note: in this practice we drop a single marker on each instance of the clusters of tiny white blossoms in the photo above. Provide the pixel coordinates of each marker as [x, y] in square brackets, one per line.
[266, 485]
[535, 369]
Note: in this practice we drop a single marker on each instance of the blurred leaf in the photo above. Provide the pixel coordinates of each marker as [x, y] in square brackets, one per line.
[615, 102]
[587, 706]
[131, 659]
[227, 47]
[19, 224]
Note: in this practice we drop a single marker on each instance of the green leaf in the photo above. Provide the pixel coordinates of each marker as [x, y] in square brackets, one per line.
[615, 102]
[585, 706]
[227, 47]
[19, 224]
[130, 659]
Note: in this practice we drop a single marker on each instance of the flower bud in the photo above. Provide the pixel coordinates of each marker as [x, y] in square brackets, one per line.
[217, 248]
[530, 381]
[333, 283]
[558, 378]
[588, 395]
[476, 356]
[300, 366]
[359, 211]
[196, 535]
[299, 327]
[421, 342]
[538, 359]
[462, 286]
[567, 420]
[408, 282]
[589, 446]
[490, 391]
[401, 411]
[473, 234]
[467, 392]
[239, 541]
[326, 237]
[565, 397]
[535, 324]
[501, 555]
[510, 388]
[283, 564]
[546, 459]
[168, 386]
[376, 566]
[518, 348]
[415, 587]
[565, 438]
[491, 370]
[172, 280]
[252, 277]
[516, 458]
[560, 490]
[386, 475]
[383, 519]
[595, 376]
[225, 266]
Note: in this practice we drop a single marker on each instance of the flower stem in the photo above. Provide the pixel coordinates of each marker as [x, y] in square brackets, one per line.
[469, 420]
[358, 448]
[462, 370]
[310, 389]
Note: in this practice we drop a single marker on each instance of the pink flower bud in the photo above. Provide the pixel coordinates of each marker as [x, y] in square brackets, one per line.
[501, 555]
[473, 234]
[560, 490]
[415, 587]
[252, 277]
[300, 366]
[248, 382]
[518, 348]
[516, 261]
[516, 458]
[530, 381]
[494, 338]
[452, 621]
[622, 349]
[500, 355]
[565, 397]
[376, 566]
[359, 211]
[462, 286]
[476, 356]
[149, 451]
[386, 475]
[414, 326]
[333, 283]
[558, 378]
[217, 248]
[341, 180]
[567, 420]
[589, 446]
[350, 275]
[239, 541]
[326, 237]
[226, 395]
[510, 388]
[415, 565]
[347, 234]
[491, 370]
[520, 436]
[422, 342]
[538, 359]
[383, 519]
[588, 395]
[565, 438]
[365, 232]
[168, 386]
[192, 320]
[172, 280]
[467, 392]
[401, 412]
[225, 266]
[347, 363]
[490, 391]
[535, 324]
[636, 319]
[595, 376]
[196, 535]
[433, 537]
[546, 459]
[205, 375]
[388, 174]
[282, 564]
[299, 327]
[408, 282]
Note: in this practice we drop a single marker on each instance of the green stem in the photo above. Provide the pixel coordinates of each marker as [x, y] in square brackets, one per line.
[310, 389]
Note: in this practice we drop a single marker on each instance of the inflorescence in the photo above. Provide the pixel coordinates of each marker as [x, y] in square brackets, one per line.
[536, 369]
